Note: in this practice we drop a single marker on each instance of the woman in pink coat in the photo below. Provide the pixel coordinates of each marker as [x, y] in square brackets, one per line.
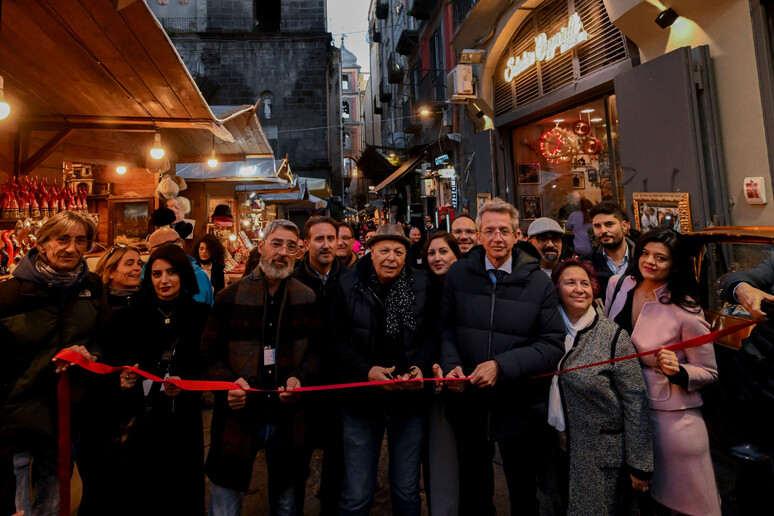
[655, 306]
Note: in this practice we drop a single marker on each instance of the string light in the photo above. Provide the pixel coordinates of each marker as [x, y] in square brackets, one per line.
[120, 170]
[213, 161]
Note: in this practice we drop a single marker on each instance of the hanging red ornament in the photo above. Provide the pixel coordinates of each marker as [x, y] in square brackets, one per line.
[581, 128]
[592, 146]
[556, 143]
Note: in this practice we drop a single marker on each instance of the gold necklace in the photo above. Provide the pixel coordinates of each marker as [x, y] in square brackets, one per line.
[167, 319]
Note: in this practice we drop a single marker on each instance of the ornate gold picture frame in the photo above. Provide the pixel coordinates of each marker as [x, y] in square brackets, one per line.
[672, 210]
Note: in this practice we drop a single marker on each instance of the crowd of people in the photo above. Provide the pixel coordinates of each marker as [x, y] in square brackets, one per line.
[481, 310]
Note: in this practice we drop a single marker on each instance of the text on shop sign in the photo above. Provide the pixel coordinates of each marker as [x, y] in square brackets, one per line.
[545, 47]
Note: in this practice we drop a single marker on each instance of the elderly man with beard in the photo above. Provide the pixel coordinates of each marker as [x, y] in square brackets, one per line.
[259, 335]
[465, 233]
[380, 331]
[613, 254]
[546, 235]
[51, 303]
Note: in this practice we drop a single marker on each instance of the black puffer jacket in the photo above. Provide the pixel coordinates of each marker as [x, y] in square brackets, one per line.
[359, 338]
[515, 323]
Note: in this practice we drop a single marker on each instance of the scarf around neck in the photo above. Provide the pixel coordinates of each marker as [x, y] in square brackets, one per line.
[555, 408]
[59, 279]
[398, 300]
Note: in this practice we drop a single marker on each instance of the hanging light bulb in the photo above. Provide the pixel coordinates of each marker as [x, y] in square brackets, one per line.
[5, 108]
[120, 170]
[213, 161]
[157, 151]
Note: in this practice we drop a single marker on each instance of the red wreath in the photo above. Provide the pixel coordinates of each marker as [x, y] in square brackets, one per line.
[556, 143]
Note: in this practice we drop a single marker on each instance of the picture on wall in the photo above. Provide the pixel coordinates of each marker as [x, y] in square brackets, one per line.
[578, 180]
[672, 210]
[130, 218]
[531, 207]
[528, 173]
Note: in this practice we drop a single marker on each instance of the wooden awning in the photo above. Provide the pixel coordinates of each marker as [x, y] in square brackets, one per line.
[103, 75]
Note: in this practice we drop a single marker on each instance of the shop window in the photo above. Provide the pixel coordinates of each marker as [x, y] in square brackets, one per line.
[267, 15]
[565, 158]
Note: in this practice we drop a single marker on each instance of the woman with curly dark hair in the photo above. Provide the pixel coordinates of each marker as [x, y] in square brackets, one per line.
[161, 334]
[210, 255]
[657, 305]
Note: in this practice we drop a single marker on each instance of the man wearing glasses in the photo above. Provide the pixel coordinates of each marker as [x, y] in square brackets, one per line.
[166, 236]
[546, 235]
[465, 233]
[51, 303]
[499, 325]
[344, 245]
[258, 336]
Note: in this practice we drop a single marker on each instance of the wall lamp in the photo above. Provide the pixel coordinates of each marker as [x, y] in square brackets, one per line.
[666, 18]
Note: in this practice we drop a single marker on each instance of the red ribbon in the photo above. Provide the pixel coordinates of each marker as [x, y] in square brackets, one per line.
[690, 343]
[76, 358]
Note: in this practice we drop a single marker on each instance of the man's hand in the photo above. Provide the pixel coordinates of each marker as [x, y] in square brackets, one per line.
[172, 389]
[750, 298]
[438, 373]
[381, 374]
[128, 379]
[485, 374]
[456, 385]
[288, 396]
[62, 365]
[414, 372]
[237, 398]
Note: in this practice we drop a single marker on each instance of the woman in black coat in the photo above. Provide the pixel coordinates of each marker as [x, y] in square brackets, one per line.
[210, 255]
[163, 464]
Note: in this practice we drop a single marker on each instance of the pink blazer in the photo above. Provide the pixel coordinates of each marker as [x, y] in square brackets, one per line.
[660, 325]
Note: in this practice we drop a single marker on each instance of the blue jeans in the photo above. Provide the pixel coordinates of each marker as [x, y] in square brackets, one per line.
[362, 444]
[284, 483]
[41, 473]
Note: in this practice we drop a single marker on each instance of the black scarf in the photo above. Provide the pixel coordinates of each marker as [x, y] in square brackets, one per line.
[398, 300]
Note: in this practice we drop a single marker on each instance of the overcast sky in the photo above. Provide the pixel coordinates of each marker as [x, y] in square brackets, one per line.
[351, 18]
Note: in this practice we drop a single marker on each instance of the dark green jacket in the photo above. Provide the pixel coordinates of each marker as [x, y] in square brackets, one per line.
[36, 322]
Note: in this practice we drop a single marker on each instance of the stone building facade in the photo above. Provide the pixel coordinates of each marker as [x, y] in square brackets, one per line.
[278, 51]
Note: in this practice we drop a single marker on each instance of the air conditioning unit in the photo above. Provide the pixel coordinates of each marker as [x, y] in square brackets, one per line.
[460, 80]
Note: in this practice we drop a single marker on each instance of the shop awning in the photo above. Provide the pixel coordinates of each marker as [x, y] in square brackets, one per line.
[317, 187]
[373, 165]
[96, 81]
[408, 166]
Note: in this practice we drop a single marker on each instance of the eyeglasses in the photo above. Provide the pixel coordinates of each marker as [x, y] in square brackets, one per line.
[504, 232]
[277, 245]
[459, 231]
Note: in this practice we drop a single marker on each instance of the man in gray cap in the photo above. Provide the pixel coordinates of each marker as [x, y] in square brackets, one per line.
[546, 235]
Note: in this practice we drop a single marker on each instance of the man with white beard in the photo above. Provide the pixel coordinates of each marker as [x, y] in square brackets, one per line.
[259, 335]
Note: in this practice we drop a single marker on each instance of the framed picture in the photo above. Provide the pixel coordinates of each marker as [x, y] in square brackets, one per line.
[481, 199]
[130, 217]
[528, 173]
[578, 180]
[672, 210]
[592, 173]
[531, 207]
[604, 172]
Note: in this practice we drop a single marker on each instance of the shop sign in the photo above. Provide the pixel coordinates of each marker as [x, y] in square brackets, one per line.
[446, 173]
[545, 47]
[441, 159]
[454, 191]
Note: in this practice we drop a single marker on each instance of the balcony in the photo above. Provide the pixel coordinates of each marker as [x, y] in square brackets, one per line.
[382, 10]
[423, 9]
[385, 92]
[395, 69]
[461, 10]
[407, 42]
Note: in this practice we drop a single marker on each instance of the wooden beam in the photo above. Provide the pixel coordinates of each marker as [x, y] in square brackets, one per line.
[21, 142]
[120, 4]
[45, 151]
